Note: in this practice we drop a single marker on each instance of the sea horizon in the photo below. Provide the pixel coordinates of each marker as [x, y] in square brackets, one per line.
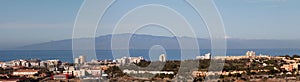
[172, 54]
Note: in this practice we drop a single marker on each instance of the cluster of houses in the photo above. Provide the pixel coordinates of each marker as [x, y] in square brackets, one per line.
[207, 73]
[129, 60]
[289, 65]
[60, 70]
[95, 69]
[30, 63]
[127, 71]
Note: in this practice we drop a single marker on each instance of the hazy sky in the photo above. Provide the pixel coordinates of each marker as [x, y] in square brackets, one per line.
[24, 22]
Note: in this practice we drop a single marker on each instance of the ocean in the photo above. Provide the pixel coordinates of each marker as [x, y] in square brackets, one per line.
[66, 55]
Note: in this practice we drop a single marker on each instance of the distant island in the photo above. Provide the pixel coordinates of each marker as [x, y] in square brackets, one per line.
[138, 42]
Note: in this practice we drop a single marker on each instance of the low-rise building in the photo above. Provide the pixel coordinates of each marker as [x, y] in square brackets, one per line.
[53, 62]
[206, 56]
[151, 72]
[25, 72]
[1, 64]
[287, 67]
[79, 73]
[127, 60]
[94, 72]
[61, 77]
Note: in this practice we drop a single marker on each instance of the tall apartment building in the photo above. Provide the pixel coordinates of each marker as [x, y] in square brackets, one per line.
[162, 57]
[80, 60]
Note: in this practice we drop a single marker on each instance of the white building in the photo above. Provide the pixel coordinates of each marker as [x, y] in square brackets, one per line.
[94, 72]
[127, 60]
[43, 64]
[80, 60]
[36, 64]
[1, 64]
[25, 72]
[80, 73]
[162, 57]
[77, 60]
[206, 56]
[60, 77]
[53, 62]
[27, 64]
[123, 60]
[250, 53]
[9, 64]
[141, 72]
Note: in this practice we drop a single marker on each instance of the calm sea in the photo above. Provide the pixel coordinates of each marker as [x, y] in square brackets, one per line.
[66, 55]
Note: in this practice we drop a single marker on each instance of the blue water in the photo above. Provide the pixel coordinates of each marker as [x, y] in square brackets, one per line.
[66, 55]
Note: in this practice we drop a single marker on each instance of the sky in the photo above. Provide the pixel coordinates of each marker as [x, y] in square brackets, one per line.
[24, 22]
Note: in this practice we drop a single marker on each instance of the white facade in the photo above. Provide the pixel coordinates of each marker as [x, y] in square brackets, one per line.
[52, 62]
[76, 60]
[9, 64]
[152, 72]
[162, 58]
[82, 59]
[206, 56]
[79, 73]
[123, 60]
[94, 72]
[43, 64]
[25, 72]
[61, 77]
[34, 63]
[68, 72]
[127, 60]
[250, 53]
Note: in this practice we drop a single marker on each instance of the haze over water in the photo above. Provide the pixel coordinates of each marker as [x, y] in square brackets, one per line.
[66, 55]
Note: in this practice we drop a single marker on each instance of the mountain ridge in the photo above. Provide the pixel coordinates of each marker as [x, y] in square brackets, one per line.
[143, 41]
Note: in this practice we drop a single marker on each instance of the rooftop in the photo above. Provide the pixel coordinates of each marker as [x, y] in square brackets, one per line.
[27, 70]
